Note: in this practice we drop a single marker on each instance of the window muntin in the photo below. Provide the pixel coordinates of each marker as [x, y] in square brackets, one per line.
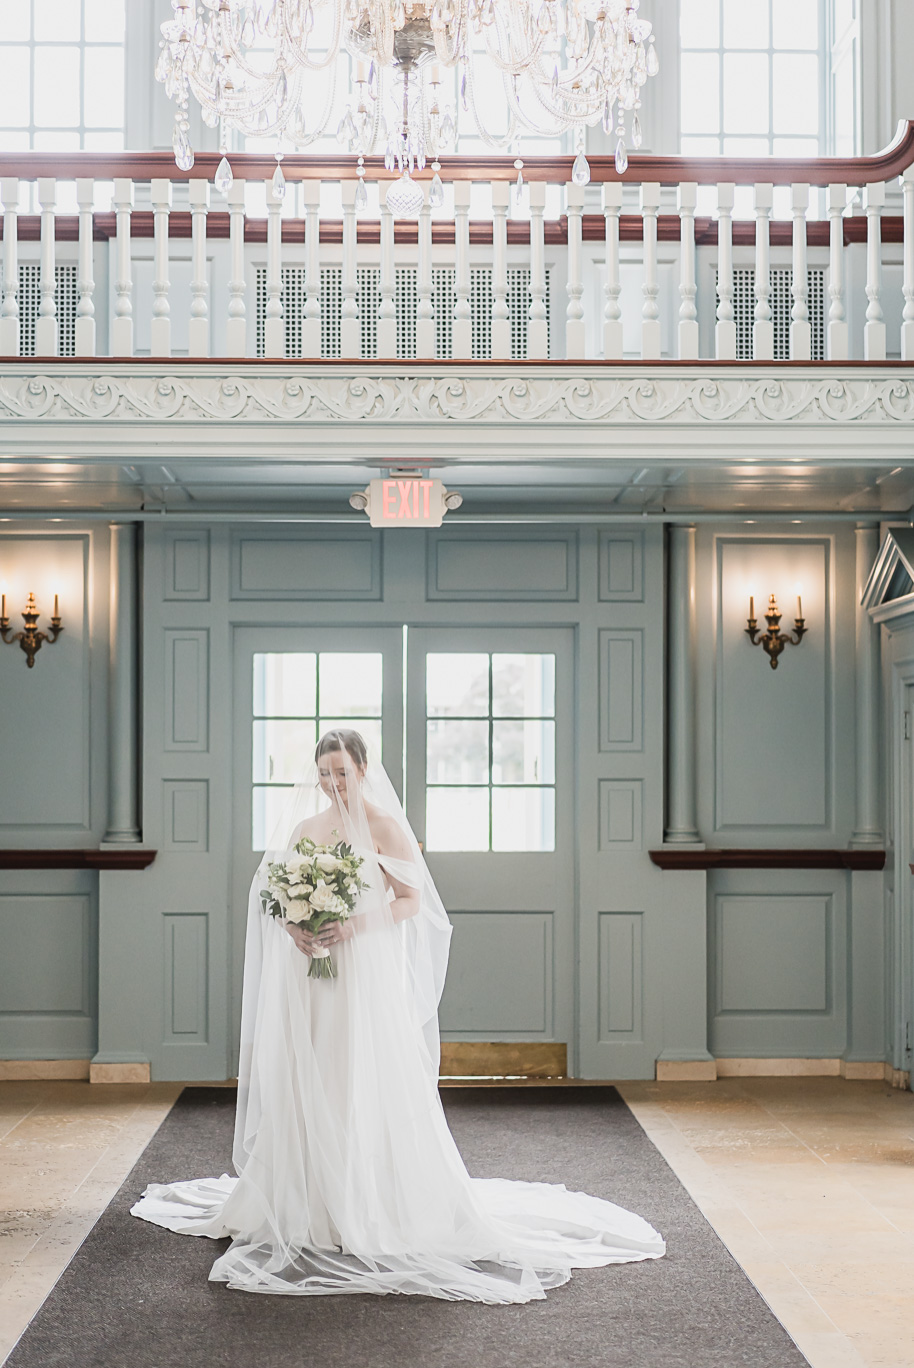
[751, 78]
[63, 86]
[297, 697]
[490, 751]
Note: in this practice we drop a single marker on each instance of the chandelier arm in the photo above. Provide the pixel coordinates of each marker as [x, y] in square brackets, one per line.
[497, 143]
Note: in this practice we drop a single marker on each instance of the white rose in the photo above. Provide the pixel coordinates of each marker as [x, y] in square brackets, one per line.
[327, 863]
[323, 898]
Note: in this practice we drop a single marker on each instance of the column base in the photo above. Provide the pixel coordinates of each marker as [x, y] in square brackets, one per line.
[113, 839]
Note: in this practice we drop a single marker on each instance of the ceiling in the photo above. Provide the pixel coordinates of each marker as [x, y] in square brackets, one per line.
[237, 486]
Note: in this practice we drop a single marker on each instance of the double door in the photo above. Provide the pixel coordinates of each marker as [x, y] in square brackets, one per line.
[474, 727]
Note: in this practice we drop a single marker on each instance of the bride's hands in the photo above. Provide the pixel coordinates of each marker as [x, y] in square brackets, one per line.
[329, 935]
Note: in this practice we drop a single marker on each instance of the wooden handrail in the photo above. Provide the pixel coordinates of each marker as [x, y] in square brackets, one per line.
[882, 166]
[593, 229]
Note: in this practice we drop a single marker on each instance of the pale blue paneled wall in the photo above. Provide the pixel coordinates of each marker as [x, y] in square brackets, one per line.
[776, 769]
[773, 977]
[52, 793]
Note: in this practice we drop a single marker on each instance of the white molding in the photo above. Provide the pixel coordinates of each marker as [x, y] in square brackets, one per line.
[329, 394]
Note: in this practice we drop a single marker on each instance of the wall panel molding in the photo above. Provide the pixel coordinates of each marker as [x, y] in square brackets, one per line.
[185, 815]
[773, 953]
[621, 567]
[620, 807]
[484, 992]
[186, 689]
[186, 565]
[511, 565]
[621, 669]
[621, 976]
[186, 977]
[314, 563]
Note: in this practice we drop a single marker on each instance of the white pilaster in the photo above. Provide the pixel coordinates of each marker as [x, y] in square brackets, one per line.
[123, 824]
[867, 824]
[681, 820]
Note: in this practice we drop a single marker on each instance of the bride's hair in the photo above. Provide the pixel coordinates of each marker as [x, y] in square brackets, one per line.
[352, 740]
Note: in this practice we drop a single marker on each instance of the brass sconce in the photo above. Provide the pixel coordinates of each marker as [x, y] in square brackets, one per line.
[774, 640]
[29, 638]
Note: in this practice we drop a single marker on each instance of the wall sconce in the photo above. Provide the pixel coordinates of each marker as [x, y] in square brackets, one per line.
[774, 640]
[29, 638]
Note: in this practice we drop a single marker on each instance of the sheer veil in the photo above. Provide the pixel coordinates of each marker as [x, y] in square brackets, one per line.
[361, 805]
[349, 1179]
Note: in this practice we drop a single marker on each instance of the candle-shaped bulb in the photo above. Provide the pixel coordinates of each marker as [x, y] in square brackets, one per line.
[56, 611]
[751, 605]
[3, 606]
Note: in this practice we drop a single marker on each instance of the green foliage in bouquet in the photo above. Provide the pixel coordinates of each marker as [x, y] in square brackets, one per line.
[316, 885]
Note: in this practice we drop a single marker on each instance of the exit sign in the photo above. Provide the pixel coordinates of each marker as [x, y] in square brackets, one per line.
[409, 502]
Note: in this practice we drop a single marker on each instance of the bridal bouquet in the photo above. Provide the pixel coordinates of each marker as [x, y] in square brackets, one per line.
[318, 884]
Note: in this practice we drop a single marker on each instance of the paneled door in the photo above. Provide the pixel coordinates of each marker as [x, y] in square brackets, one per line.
[288, 689]
[490, 793]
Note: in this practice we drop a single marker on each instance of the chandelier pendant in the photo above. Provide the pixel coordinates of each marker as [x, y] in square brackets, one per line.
[556, 65]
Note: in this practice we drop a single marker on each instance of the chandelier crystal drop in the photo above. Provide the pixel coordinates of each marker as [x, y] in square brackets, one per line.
[551, 65]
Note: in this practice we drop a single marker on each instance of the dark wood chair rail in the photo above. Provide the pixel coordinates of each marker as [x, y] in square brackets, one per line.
[128, 858]
[882, 166]
[683, 858]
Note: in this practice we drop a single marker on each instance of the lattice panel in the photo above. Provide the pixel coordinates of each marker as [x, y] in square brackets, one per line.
[30, 301]
[781, 304]
[406, 300]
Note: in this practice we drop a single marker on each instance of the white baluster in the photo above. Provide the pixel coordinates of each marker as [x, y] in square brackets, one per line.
[763, 327]
[311, 326]
[274, 332]
[650, 288]
[501, 320]
[688, 314]
[612, 311]
[9, 310]
[85, 285]
[236, 343]
[122, 323]
[907, 316]
[874, 329]
[837, 317]
[350, 328]
[198, 332]
[574, 312]
[462, 340]
[387, 308]
[46, 322]
[800, 331]
[425, 316]
[537, 323]
[160, 329]
[725, 328]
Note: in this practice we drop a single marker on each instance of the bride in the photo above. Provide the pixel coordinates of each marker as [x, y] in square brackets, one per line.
[349, 1179]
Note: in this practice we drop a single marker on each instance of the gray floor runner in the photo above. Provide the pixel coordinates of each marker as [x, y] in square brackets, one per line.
[136, 1296]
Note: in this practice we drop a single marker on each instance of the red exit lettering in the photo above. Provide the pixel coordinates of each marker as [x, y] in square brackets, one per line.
[405, 499]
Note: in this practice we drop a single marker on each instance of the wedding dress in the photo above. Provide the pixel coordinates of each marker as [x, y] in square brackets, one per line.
[349, 1179]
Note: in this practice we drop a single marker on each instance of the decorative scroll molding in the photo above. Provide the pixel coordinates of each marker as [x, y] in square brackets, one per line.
[259, 394]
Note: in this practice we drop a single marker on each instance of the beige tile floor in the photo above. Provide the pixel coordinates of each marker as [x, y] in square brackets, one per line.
[809, 1183]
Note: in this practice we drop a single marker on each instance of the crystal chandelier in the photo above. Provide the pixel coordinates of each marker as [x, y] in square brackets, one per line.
[269, 68]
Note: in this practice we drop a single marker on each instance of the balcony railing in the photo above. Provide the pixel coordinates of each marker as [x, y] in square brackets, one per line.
[122, 255]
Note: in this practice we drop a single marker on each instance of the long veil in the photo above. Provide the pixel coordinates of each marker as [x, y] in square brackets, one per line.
[361, 802]
[349, 1179]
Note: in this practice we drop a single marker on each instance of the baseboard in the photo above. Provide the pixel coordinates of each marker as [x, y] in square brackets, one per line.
[31, 1070]
[686, 1070]
[132, 1072]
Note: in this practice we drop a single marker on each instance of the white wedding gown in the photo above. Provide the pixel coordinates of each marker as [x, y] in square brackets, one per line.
[350, 1179]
